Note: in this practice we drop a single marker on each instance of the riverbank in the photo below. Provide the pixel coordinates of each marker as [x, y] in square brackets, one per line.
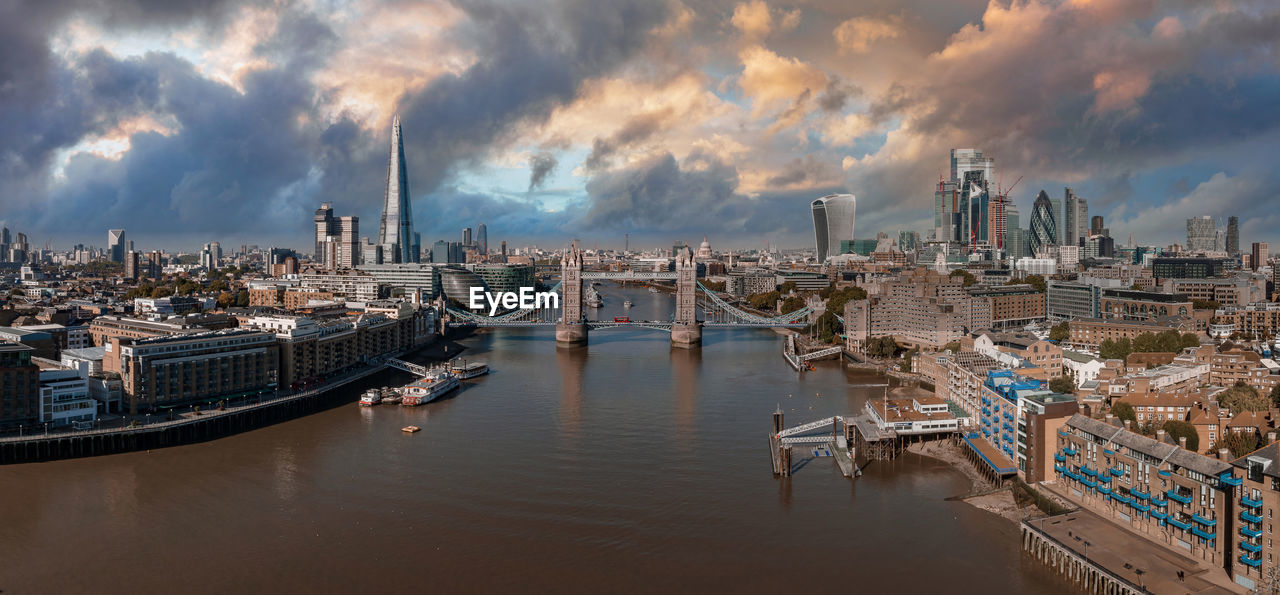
[235, 417]
[1000, 501]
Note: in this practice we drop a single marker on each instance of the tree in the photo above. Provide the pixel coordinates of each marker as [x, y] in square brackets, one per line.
[161, 291]
[242, 299]
[1182, 429]
[837, 299]
[714, 285]
[969, 279]
[1060, 332]
[1205, 305]
[787, 287]
[766, 300]
[1123, 410]
[1275, 396]
[1239, 443]
[827, 327]
[1063, 384]
[1190, 340]
[882, 347]
[1242, 397]
[905, 366]
[952, 346]
[1115, 349]
[225, 299]
[792, 304]
[1036, 281]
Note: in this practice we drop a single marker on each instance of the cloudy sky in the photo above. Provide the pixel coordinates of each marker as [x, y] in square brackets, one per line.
[187, 121]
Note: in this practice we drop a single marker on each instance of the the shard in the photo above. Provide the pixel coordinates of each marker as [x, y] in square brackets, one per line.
[396, 232]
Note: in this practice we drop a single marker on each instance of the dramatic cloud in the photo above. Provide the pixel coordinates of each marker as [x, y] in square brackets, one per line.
[190, 121]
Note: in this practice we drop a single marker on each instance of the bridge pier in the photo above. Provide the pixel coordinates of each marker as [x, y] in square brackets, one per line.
[686, 336]
[569, 334]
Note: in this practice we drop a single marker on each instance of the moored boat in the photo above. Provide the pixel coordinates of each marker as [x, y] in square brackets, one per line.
[472, 369]
[371, 397]
[427, 389]
[626, 304]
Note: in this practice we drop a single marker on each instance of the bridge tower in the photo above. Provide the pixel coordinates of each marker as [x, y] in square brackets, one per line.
[572, 328]
[686, 331]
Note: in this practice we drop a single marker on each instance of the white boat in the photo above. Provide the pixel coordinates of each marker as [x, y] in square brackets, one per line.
[653, 290]
[472, 369]
[594, 301]
[428, 389]
[626, 304]
[371, 397]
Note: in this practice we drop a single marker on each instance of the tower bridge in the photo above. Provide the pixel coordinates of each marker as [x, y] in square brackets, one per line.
[573, 327]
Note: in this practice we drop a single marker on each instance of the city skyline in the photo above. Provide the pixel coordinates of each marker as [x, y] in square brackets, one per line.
[661, 120]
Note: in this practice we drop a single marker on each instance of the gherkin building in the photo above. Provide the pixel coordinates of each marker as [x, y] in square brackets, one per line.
[1044, 227]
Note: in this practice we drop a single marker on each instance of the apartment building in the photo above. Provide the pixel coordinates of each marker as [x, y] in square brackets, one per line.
[1261, 319]
[19, 384]
[1258, 499]
[918, 308]
[165, 371]
[1089, 333]
[1012, 305]
[1129, 304]
[105, 328]
[1171, 496]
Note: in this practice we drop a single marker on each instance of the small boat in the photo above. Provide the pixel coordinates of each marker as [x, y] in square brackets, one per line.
[391, 398]
[410, 429]
[428, 389]
[472, 369]
[371, 397]
[626, 304]
[653, 290]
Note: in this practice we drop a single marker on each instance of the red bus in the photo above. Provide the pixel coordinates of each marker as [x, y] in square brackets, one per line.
[622, 319]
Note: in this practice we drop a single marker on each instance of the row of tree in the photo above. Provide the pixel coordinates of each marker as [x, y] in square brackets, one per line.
[1170, 341]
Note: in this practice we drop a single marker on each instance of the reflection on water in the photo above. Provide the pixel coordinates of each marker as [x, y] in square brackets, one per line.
[571, 361]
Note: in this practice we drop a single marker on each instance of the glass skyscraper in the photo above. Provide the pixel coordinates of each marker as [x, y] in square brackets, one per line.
[1044, 225]
[396, 232]
[833, 217]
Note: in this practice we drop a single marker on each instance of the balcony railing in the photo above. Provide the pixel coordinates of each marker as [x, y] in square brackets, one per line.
[1247, 532]
[1250, 561]
[1249, 518]
[1250, 502]
[1176, 497]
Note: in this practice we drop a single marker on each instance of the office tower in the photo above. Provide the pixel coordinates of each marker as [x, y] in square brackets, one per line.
[154, 265]
[347, 232]
[1014, 236]
[1202, 233]
[504, 248]
[466, 236]
[1095, 228]
[396, 230]
[1233, 235]
[967, 160]
[116, 245]
[975, 198]
[1044, 228]
[946, 212]
[440, 252]
[4, 244]
[324, 228]
[211, 255]
[833, 217]
[131, 261]
[1075, 214]
[1258, 255]
[482, 238]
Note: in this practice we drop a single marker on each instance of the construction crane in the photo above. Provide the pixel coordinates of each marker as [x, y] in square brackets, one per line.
[1010, 190]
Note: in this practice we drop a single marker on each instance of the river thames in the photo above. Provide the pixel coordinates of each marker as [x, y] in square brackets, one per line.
[623, 466]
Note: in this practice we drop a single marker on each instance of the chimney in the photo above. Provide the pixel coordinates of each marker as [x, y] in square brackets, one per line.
[1109, 418]
[1128, 424]
[1271, 436]
[1224, 454]
[1182, 442]
[1160, 434]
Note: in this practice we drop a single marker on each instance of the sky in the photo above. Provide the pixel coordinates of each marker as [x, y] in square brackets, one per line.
[188, 121]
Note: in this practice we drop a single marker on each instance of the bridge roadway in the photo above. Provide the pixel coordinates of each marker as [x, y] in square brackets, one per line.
[662, 325]
[629, 275]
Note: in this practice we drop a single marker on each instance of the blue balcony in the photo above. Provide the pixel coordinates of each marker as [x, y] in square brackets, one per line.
[1104, 478]
[1059, 468]
[1141, 495]
[1179, 524]
[1160, 503]
[1249, 547]
[1159, 515]
[1116, 471]
[1228, 479]
[1142, 506]
[1198, 532]
[1176, 497]
[1247, 532]
[1203, 521]
[1108, 451]
[1089, 482]
[1250, 561]
[1124, 499]
[1164, 472]
[1105, 491]
[1058, 457]
[1089, 472]
[1249, 518]
[1063, 433]
[1071, 452]
[1250, 502]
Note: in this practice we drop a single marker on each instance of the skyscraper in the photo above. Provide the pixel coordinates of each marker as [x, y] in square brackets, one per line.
[466, 236]
[1259, 255]
[964, 209]
[833, 217]
[116, 245]
[1202, 234]
[396, 231]
[324, 229]
[1233, 235]
[1075, 216]
[1096, 227]
[482, 238]
[1044, 227]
